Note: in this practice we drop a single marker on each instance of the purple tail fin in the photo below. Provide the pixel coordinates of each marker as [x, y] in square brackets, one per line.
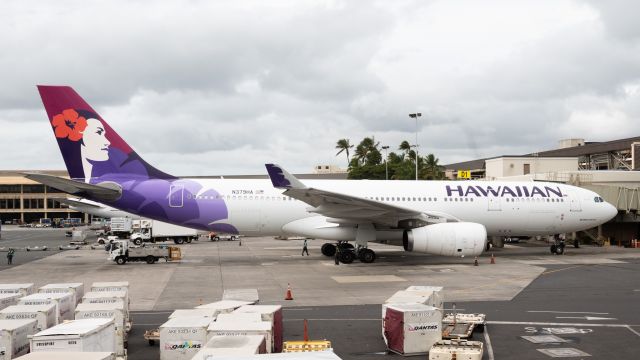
[90, 147]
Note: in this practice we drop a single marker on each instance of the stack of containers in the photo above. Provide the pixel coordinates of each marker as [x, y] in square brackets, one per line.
[61, 300]
[248, 295]
[272, 314]
[14, 337]
[77, 289]
[88, 335]
[113, 311]
[232, 345]
[182, 337]
[8, 300]
[224, 306]
[112, 286]
[22, 289]
[119, 298]
[45, 315]
[69, 355]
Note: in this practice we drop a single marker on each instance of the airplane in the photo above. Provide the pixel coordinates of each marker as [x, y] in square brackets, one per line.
[96, 209]
[451, 218]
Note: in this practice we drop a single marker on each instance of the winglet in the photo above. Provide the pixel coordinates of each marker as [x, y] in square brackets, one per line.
[281, 179]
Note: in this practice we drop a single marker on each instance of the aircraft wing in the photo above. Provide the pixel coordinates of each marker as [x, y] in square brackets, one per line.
[344, 208]
[78, 204]
[81, 189]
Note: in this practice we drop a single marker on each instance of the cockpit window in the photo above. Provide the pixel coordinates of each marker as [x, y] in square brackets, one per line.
[598, 199]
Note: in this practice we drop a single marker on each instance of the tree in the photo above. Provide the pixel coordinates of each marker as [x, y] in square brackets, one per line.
[431, 169]
[344, 146]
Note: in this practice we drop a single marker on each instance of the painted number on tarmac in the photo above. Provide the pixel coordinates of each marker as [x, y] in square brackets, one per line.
[557, 331]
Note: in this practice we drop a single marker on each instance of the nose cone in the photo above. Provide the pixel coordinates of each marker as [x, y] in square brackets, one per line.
[610, 212]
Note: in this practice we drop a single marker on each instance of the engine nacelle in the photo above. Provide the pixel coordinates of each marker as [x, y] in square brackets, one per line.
[449, 239]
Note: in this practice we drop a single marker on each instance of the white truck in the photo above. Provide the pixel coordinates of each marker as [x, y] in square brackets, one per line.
[121, 252]
[153, 230]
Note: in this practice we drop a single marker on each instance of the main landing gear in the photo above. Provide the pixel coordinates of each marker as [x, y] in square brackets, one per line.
[348, 253]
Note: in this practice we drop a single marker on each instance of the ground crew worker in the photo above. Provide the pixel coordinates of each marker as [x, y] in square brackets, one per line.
[304, 248]
[10, 256]
[337, 259]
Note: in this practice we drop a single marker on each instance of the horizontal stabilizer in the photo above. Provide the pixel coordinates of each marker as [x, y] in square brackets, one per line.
[105, 191]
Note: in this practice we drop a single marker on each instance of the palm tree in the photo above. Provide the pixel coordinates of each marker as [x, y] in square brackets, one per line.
[343, 145]
[432, 167]
[367, 151]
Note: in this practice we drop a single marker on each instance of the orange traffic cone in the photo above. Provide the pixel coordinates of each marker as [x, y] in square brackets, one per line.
[289, 296]
[475, 262]
[493, 259]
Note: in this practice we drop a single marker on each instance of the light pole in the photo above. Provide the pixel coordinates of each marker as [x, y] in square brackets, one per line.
[416, 116]
[386, 166]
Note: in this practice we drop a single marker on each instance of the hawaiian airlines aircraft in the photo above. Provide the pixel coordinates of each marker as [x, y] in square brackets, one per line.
[450, 218]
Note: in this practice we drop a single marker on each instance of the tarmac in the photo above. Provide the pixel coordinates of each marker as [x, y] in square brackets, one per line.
[586, 298]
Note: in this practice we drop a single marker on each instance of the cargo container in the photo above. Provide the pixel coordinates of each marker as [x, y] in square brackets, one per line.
[68, 355]
[411, 329]
[77, 289]
[224, 306]
[182, 337]
[108, 297]
[86, 335]
[232, 345]
[107, 311]
[234, 316]
[456, 350]
[435, 293]
[14, 337]
[45, 315]
[23, 289]
[62, 301]
[8, 300]
[272, 314]
[249, 295]
[312, 355]
[243, 328]
[208, 313]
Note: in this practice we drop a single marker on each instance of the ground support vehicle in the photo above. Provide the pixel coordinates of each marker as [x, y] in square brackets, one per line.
[161, 231]
[121, 252]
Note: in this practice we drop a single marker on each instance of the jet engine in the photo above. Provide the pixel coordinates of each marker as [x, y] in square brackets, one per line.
[449, 239]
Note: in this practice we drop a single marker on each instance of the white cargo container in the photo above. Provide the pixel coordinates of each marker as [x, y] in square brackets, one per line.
[182, 337]
[208, 313]
[77, 289]
[23, 289]
[249, 295]
[232, 345]
[14, 337]
[106, 311]
[412, 328]
[244, 317]
[8, 300]
[45, 315]
[272, 314]
[224, 306]
[108, 297]
[86, 335]
[67, 355]
[61, 300]
[311, 355]
[435, 293]
[110, 286]
[243, 328]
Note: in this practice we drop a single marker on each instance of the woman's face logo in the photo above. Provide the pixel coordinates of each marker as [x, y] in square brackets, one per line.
[95, 143]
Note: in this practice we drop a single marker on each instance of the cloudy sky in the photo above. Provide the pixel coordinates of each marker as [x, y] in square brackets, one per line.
[222, 87]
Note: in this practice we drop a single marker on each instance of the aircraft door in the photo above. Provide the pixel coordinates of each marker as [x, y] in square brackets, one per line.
[176, 193]
[494, 204]
[574, 202]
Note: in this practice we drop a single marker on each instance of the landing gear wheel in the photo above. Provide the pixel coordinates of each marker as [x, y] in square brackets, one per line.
[328, 249]
[151, 259]
[346, 257]
[345, 246]
[553, 248]
[367, 256]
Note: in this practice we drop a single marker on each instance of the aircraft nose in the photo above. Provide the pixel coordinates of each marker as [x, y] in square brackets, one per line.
[611, 211]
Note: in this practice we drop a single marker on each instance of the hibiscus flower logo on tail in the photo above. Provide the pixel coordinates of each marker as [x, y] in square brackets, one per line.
[69, 125]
